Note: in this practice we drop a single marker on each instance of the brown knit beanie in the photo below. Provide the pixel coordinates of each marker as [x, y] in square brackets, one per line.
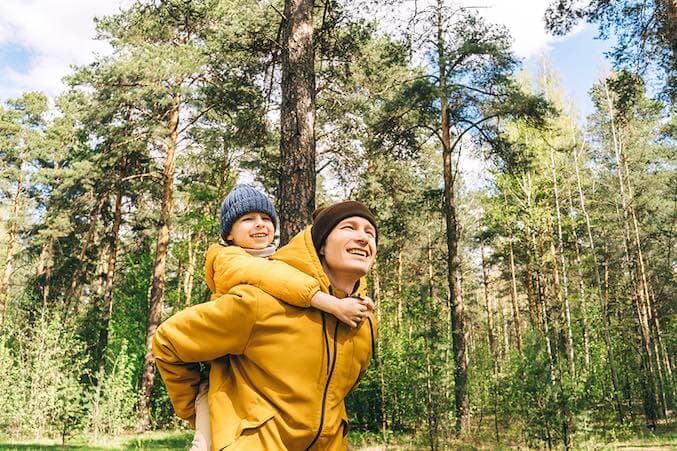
[325, 219]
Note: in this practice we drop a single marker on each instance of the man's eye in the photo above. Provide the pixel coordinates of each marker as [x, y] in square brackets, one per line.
[371, 233]
[348, 226]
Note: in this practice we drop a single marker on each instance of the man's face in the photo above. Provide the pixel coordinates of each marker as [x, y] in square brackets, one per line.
[252, 230]
[350, 247]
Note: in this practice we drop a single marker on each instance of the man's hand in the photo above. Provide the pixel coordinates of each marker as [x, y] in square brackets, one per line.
[352, 311]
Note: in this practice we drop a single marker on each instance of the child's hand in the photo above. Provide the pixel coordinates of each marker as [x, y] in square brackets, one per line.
[351, 311]
[366, 300]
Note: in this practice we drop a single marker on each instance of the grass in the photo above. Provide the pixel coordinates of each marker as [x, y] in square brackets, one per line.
[665, 438]
[158, 440]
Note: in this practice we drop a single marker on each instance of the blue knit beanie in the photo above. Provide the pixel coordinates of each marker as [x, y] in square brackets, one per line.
[241, 200]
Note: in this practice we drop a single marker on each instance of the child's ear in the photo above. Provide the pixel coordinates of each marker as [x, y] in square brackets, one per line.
[321, 250]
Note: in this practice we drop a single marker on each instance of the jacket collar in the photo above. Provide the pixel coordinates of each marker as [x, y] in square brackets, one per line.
[300, 253]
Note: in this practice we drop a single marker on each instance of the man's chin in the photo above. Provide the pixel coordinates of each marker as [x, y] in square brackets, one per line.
[360, 270]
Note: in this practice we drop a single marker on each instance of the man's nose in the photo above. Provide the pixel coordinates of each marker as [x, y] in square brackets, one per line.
[362, 237]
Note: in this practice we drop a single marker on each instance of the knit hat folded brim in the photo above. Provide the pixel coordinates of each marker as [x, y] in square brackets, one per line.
[325, 219]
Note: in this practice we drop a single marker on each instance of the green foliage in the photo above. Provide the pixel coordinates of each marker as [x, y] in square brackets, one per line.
[113, 399]
[45, 369]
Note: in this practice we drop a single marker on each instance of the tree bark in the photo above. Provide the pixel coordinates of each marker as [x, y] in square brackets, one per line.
[455, 302]
[639, 280]
[158, 285]
[113, 241]
[296, 199]
[189, 274]
[602, 296]
[582, 292]
[89, 238]
[513, 287]
[491, 338]
[400, 301]
[379, 350]
[563, 290]
[8, 270]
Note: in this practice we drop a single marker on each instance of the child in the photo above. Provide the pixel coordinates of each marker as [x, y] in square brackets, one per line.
[248, 222]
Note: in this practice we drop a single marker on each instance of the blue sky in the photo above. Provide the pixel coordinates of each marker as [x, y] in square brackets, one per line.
[580, 62]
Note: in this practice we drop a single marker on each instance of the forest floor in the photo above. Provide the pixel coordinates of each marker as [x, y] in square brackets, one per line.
[665, 438]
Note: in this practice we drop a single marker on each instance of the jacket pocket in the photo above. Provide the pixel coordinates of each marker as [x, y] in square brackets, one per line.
[257, 416]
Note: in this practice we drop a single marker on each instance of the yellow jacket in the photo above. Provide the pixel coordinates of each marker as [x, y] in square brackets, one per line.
[281, 372]
[228, 266]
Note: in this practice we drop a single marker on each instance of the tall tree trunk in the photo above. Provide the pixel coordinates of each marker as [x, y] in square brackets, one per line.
[73, 288]
[158, 285]
[582, 294]
[49, 269]
[644, 282]
[8, 269]
[453, 263]
[563, 295]
[491, 338]
[296, 200]
[534, 315]
[663, 353]
[513, 287]
[189, 274]
[379, 349]
[113, 241]
[602, 296]
[641, 304]
[400, 300]
[543, 305]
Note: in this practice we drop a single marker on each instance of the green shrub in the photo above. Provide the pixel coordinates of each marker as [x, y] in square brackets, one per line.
[113, 399]
[40, 392]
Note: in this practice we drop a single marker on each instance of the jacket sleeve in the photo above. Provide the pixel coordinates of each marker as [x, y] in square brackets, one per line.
[233, 266]
[201, 333]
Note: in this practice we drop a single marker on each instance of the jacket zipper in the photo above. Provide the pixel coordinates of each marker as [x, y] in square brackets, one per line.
[326, 389]
[326, 340]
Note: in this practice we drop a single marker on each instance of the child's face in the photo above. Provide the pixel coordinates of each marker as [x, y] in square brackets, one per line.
[252, 230]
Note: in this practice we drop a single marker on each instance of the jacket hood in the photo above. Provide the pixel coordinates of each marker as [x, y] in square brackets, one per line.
[301, 254]
[212, 252]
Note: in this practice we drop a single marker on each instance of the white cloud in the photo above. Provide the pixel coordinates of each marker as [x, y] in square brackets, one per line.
[525, 21]
[54, 36]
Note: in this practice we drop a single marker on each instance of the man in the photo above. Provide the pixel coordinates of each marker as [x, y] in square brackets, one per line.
[282, 372]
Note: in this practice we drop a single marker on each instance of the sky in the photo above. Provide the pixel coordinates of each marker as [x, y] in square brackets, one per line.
[41, 39]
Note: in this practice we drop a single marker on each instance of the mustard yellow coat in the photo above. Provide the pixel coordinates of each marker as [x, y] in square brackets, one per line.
[228, 266]
[280, 372]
